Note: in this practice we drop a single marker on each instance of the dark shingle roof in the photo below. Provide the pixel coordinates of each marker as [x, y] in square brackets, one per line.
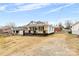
[33, 23]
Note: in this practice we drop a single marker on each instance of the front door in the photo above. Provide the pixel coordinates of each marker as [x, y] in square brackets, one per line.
[44, 32]
[23, 32]
[29, 31]
[17, 31]
[34, 32]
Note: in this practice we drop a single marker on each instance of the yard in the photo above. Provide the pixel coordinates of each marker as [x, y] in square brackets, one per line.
[52, 45]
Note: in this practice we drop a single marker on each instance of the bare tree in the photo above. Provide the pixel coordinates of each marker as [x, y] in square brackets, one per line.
[68, 24]
[11, 25]
[60, 25]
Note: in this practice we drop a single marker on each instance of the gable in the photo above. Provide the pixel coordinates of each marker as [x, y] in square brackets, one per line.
[38, 23]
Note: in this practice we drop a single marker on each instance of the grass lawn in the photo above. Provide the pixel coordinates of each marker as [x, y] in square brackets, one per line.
[29, 45]
[73, 41]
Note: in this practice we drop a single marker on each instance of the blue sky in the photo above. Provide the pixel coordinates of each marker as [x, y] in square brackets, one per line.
[23, 13]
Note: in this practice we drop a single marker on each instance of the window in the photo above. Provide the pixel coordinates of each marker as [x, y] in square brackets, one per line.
[17, 31]
[14, 31]
[33, 28]
[41, 28]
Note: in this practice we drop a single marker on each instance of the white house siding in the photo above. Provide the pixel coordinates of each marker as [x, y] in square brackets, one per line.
[42, 31]
[26, 31]
[50, 29]
[39, 31]
[75, 32]
[75, 29]
[20, 32]
[32, 32]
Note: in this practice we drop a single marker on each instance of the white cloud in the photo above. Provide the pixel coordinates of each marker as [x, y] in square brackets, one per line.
[59, 8]
[29, 7]
[18, 4]
[3, 8]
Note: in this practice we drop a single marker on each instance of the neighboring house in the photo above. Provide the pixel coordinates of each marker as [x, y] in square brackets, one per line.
[6, 30]
[34, 28]
[1, 31]
[18, 30]
[75, 28]
[57, 29]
